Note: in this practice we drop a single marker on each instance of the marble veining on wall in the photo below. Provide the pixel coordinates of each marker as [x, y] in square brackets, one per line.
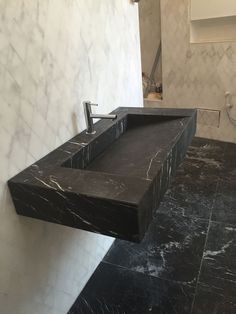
[196, 75]
[113, 184]
[53, 55]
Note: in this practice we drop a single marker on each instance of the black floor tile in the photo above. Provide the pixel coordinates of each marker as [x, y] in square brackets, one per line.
[160, 274]
[219, 261]
[230, 149]
[192, 191]
[217, 146]
[213, 301]
[190, 196]
[228, 171]
[224, 209]
[172, 249]
[116, 290]
[203, 162]
[205, 158]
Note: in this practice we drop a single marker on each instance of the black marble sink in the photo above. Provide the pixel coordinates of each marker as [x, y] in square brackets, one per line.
[110, 182]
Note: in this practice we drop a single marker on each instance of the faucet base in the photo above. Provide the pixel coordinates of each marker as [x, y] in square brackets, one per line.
[93, 132]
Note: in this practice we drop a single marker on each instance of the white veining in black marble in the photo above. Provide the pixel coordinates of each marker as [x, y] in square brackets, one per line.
[111, 182]
[186, 262]
[115, 290]
[171, 249]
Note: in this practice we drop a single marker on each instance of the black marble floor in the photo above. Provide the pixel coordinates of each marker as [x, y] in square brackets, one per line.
[187, 260]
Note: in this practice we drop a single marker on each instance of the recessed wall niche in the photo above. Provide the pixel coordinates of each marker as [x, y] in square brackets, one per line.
[212, 21]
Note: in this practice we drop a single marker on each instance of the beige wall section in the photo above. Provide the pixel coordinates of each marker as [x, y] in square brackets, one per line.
[196, 75]
[150, 33]
[202, 9]
[53, 55]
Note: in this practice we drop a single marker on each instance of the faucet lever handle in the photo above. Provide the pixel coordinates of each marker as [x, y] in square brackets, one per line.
[87, 107]
[88, 102]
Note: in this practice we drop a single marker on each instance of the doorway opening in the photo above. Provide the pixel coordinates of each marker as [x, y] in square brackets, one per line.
[151, 52]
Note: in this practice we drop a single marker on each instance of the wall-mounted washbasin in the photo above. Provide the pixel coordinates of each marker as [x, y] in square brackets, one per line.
[110, 182]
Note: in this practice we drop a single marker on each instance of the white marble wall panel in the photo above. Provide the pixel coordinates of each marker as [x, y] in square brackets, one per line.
[196, 75]
[53, 55]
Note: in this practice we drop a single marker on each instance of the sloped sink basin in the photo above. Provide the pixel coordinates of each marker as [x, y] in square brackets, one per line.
[113, 181]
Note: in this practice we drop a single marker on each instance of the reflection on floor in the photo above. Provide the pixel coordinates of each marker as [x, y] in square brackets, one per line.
[187, 260]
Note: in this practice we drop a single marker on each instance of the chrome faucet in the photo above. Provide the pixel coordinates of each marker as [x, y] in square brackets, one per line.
[89, 116]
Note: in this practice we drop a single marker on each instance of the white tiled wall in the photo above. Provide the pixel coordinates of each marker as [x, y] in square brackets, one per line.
[196, 75]
[53, 55]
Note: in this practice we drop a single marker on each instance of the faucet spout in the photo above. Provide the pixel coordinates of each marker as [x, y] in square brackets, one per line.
[104, 116]
[89, 116]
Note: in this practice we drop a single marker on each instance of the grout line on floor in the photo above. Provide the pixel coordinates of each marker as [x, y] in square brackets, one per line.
[183, 283]
[191, 216]
[200, 269]
[223, 223]
[208, 229]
